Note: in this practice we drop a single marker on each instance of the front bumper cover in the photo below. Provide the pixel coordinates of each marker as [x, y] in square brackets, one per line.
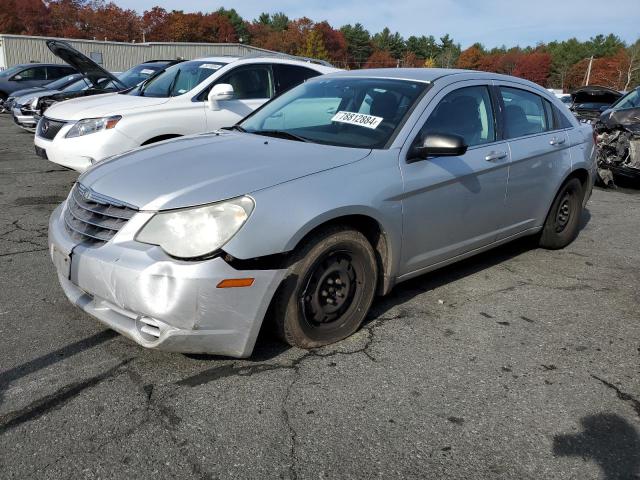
[157, 301]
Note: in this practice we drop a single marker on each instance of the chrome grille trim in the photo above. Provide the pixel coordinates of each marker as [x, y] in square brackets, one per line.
[93, 218]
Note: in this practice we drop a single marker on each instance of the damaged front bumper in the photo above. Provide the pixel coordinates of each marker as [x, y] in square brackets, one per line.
[618, 146]
[157, 301]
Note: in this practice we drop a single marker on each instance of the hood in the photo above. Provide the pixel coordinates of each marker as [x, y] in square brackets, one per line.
[628, 118]
[22, 99]
[81, 63]
[26, 91]
[210, 167]
[96, 106]
[595, 94]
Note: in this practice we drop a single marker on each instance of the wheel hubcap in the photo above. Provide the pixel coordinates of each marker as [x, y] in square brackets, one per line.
[564, 213]
[330, 289]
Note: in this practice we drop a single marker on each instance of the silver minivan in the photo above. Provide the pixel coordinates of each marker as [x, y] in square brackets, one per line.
[331, 193]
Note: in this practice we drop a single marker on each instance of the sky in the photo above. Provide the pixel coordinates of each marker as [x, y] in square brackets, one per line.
[490, 22]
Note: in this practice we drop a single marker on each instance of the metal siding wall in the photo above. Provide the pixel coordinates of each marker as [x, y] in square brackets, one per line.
[116, 56]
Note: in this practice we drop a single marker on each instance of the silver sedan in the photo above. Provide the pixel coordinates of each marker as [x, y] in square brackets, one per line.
[328, 195]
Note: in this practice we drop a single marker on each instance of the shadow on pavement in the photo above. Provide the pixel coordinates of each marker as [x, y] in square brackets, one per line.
[607, 439]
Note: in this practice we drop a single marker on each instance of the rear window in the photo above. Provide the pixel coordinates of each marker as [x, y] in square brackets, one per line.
[288, 76]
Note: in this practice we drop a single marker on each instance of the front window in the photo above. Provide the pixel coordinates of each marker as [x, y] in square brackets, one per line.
[466, 112]
[10, 71]
[630, 100]
[177, 79]
[348, 112]
[35, 73]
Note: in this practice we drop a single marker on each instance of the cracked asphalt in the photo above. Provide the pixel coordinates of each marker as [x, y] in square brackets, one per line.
[517, 364]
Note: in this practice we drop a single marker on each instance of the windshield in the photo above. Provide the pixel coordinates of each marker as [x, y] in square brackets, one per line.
[81, 84]
[60, 83]
[348, 112]
[177, 79]
[10, 71]
[139, 73]
[630, 100]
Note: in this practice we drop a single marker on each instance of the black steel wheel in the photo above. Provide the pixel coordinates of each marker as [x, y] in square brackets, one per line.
[563, 221]
[328, 290]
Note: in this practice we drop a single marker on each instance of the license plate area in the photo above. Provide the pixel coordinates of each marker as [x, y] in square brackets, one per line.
[62, 261]
[41, 152]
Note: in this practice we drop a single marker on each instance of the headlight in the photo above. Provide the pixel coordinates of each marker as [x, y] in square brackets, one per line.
[92, 125]
[34, 103]
[194, 232]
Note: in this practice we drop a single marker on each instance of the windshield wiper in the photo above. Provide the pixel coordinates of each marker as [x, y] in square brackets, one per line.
[235, 127]
[280, 134]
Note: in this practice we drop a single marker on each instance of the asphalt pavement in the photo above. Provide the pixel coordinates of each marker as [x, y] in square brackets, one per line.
[520, 363]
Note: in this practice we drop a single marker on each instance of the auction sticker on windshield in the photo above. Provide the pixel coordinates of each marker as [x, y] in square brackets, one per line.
[360, 119]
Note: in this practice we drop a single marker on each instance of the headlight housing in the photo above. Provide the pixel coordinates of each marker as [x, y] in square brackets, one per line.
[33, 103]
[93, 125]
[197, 231]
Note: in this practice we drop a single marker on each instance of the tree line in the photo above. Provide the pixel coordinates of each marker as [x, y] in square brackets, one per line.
[603, 59]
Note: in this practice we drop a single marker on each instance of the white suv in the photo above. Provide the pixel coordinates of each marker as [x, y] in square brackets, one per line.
[189, 97]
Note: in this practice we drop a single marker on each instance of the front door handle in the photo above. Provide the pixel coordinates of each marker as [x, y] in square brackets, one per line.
[495, 156]
[556, 141]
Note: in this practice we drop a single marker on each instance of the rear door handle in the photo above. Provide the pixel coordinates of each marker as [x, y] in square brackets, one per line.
[495, 156]
[556, 141]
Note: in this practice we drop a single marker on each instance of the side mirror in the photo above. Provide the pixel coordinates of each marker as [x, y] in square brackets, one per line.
[437, 145]
[17, 77]
[222, 91]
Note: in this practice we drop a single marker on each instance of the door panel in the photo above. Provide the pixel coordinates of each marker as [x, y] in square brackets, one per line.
[540, 156]
[452, 205]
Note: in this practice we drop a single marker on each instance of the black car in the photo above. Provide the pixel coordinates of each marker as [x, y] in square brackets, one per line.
[30, 75]
[99, 80]
[47, 89]
[587, 103]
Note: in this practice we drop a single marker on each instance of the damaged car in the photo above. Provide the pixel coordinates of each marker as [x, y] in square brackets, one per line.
[99, 80]
[23, 106]
[618, 140]
[587, 103]
[329, 194]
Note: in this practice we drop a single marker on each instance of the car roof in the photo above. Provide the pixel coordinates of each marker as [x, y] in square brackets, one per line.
[429, 75]
[44, 65]
[318, 65]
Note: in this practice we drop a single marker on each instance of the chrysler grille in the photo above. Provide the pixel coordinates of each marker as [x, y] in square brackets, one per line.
[93, 218]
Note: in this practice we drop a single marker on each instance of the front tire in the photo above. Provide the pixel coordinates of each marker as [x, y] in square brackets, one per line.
[328, 289]
[563, 221]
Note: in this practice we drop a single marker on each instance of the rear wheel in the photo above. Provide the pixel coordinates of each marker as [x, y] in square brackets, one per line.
[563, 221]
[328, 289]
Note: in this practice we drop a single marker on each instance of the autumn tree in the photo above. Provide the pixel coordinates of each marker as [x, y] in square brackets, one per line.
[471, 57]
[534, 67]
[381, 59]
[314, 46]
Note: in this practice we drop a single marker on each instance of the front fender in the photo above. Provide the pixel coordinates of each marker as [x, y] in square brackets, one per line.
[284, 214]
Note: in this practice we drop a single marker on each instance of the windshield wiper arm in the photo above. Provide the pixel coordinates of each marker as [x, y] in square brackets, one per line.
[280, 134]
[235, 127]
